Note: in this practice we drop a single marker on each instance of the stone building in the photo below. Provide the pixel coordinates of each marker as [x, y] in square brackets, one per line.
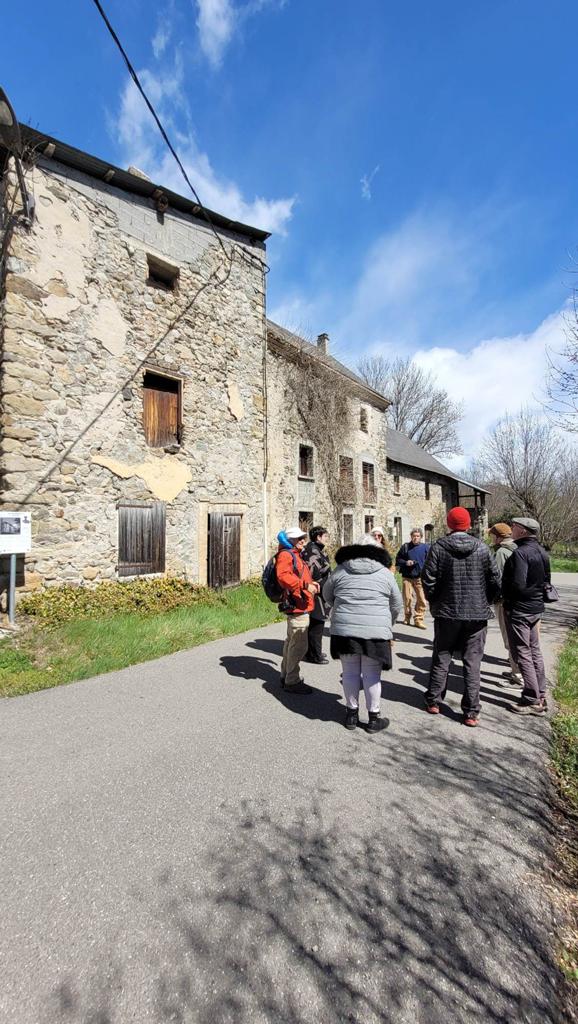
[326, 440]
[132, 376]
[421, 490]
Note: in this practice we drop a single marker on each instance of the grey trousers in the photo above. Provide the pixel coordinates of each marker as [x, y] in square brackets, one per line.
[468, 639]
[524, 637]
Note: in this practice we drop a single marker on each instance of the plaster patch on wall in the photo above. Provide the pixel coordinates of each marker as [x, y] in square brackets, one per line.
[109, 327]
[64, 237]
[235, 404]
[164, 477]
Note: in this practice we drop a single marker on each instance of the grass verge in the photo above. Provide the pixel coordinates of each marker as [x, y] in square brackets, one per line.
[565, 764]
[50, 656]
[563, 564]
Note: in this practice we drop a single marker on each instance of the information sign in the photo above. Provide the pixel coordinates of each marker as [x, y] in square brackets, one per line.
[15, 532]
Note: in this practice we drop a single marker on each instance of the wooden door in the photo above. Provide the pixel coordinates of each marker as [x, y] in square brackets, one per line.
[224, 563]
[160, 410]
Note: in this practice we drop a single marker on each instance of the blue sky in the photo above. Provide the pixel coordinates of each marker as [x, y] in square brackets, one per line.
[416, 163]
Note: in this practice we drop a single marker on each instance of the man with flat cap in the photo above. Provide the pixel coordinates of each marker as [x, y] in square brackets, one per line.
[525, 575]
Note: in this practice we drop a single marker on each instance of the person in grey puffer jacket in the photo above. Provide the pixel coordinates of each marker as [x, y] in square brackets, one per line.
[365, 602]
[461, 580]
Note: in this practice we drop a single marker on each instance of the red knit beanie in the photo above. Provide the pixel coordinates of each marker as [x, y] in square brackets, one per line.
[459, 519]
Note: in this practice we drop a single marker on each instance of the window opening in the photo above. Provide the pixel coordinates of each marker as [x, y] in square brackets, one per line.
[364, 420]
[396, 486]
[368, 474]
[162, 275]
[427, 490]
[306, 461]
[429, 533]
[305, 521]
[397, 530]
[347, 528]
[161, 410]
[368, 524]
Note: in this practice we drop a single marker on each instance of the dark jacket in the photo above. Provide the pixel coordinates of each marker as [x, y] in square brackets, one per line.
[416, 553]
[525, 574]
[362, 591]
[319, 567]
[461, 579]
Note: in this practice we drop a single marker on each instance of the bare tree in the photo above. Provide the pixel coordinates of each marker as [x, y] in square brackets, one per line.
[538, 471]
[562, 383]
[419, 408]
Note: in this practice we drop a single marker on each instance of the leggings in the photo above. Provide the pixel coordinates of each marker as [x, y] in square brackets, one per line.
[359, 670]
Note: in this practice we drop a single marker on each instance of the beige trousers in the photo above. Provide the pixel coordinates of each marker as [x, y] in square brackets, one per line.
[409, 589]
[294, 648]
[501, 617]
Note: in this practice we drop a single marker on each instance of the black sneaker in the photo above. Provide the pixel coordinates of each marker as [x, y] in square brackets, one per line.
[528, 709]
[299, 687]
[351, 718]
[376, 723]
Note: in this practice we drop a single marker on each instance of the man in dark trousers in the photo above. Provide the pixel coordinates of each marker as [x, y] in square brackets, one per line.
[525, 575]
[410, 562]
[461, 580]
[319, 566]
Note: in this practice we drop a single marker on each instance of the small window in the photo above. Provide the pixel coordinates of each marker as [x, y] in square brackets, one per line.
[396, 486]
[306, 461]
[347, 528]
[429, 533]
[397, 528]
[305, 521]
[364, 420]
[368, 524]
[345, 469]
[368, 473]
[162, 275]
[427, 490]
[161, 410]
[141, 538]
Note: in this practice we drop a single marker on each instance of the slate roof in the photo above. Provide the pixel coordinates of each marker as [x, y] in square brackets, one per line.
[295, 342]
[400, 448]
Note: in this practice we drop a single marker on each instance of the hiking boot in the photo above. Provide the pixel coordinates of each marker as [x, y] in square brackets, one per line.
[299, 687]
[419, 624]
[351, 718]
[471, 720]
[376, 723]
[528, 709]
[407, 622]
[432, 709]
[510, 679]
[323, 660]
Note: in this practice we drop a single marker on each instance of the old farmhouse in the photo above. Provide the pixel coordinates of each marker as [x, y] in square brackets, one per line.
[153, 421]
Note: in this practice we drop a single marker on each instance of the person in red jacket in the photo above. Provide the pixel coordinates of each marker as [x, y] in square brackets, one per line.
[299, 592]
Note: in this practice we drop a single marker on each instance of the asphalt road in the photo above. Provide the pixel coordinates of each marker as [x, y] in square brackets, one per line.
[183, 842]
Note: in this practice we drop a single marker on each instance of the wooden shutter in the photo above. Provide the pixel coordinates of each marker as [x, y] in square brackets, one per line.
[160, 410]
[224, 564]
[141, 538]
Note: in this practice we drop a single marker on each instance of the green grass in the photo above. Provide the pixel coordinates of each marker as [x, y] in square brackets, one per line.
[563, 564]
[79, 649]
[565, 724]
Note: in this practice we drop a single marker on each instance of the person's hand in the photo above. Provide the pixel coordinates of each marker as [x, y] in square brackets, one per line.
[313, 588]
[409, 562]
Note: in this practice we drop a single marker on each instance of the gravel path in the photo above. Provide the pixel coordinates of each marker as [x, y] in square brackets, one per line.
[183, 842]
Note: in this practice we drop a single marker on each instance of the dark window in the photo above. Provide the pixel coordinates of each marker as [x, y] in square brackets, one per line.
[162, 275]
[141, 537]
[345, 469]
[347, 528]
[364, 420]
[397, 530]
[368, 524]
[161, 410]
[306, 461]
[224, 549]
[429, 533]
[427, 493]
[396, 487]
[368, 474]
[305, 521]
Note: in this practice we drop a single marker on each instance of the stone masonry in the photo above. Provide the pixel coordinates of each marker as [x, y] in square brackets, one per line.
[81, 324]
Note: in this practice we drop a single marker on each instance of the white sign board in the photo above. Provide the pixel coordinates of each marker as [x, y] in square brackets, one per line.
[15, 532]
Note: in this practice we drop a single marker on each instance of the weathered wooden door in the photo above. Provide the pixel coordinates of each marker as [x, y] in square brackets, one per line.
[224, 567]
[141, 537]
[160, 410]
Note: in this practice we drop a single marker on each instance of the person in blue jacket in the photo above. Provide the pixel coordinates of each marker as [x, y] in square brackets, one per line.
[410, 562]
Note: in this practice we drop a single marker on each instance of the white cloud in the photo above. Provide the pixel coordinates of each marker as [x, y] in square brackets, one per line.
[161, 39]
[219, 20]
[366, 183]
[495, 377]
[143, 147]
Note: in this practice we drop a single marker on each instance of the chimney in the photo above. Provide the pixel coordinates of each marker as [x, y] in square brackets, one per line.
[323, 342]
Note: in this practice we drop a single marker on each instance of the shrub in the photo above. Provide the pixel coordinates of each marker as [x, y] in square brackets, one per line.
[61, 604]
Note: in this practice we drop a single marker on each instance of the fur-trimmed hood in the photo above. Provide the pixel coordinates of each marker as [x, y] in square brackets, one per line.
[363, 558]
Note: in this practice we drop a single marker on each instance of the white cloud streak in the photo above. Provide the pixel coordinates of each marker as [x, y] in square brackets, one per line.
[366, 181]
[219, 20]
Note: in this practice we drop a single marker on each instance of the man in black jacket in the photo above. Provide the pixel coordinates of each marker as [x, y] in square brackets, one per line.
[320, 567]
[461, 580]
[525, 575]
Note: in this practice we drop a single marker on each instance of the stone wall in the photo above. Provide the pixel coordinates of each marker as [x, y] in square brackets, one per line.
[411, 505]
[287, 493]
[80, 326]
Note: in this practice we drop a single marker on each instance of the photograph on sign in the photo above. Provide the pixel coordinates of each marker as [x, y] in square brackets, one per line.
[10, 526]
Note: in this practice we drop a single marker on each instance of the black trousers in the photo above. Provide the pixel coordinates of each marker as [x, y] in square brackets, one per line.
[315, 638]
[468, 639]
